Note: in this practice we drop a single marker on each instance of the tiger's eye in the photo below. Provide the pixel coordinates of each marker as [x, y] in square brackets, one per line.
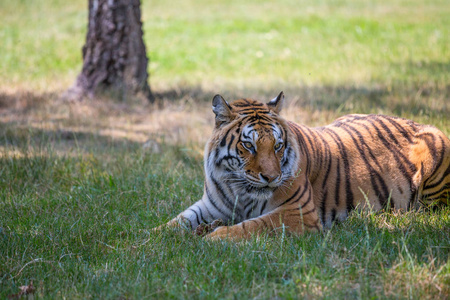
[248, 145]
[278, 146]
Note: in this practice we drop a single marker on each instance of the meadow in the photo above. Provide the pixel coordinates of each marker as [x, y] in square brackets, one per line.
[82, 184]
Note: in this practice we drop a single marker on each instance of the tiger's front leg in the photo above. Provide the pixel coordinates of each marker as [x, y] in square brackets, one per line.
[192, 217]
[295, 215]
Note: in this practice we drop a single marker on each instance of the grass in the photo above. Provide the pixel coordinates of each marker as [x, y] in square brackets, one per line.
[78, 226]
[79, 193]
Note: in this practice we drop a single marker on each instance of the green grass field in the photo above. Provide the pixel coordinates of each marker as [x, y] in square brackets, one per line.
[79, 193]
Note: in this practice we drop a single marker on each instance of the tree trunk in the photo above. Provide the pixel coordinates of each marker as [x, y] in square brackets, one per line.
[114, 56]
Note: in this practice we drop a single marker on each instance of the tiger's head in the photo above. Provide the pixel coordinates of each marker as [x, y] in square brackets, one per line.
[251, 145]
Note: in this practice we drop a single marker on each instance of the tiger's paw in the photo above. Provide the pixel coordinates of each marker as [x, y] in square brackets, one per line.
[219, 233]
[204, 229]
[234, 233]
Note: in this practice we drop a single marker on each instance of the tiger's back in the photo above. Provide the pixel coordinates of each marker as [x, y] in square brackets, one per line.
[376, 161]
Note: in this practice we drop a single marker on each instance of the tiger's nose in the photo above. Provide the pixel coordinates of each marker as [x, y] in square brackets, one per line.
[268, 178]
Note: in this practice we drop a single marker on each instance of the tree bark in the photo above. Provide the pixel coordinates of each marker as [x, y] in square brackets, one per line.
[114, 56]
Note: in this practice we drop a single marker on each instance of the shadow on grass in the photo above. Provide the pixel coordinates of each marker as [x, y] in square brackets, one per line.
[23, 138]
[420, 70]
[398, 100]
[20, 112]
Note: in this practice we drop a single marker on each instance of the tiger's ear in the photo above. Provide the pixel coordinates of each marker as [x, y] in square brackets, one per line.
[276, 104]
[222, 110]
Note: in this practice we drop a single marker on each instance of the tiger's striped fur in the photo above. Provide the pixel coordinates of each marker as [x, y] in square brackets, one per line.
[263, 173]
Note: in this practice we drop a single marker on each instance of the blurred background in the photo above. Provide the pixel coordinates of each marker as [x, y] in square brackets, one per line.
[330, 58]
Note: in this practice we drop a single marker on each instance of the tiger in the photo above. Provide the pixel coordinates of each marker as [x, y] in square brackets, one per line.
[264, 174]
